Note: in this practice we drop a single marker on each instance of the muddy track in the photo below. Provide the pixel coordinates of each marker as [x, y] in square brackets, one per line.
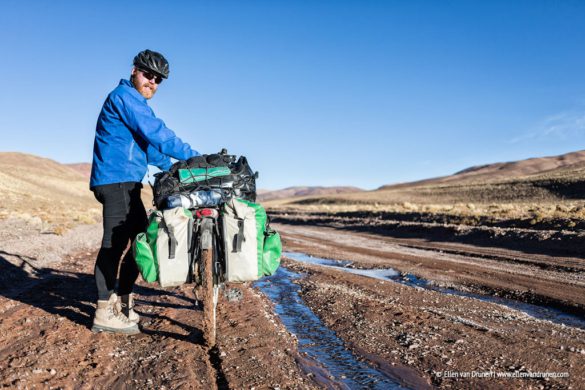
[452, 265]
[452, 341]
[563, 264]
[46, 311]
[45, 339]
[537, 240]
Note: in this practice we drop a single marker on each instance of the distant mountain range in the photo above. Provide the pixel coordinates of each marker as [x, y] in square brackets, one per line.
[28, 181]
[573, 161]
[296, 192]
[544, 179]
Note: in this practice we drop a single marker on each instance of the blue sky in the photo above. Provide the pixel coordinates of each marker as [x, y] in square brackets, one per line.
[360, 93]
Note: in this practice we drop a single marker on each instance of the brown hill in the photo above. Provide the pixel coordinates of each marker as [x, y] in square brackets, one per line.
[83, 168]
[39, 187]
[505, 171]
[295, 192]
[546, 179]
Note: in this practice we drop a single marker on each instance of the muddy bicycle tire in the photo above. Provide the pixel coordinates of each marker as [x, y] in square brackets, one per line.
[206, 261]
[208, 306]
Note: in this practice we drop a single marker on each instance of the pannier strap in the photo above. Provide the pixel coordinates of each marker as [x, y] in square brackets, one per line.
[172, 242]
[239, 237]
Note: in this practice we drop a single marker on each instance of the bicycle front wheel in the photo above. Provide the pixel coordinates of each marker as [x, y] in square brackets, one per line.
[209, 301]
[208, 287]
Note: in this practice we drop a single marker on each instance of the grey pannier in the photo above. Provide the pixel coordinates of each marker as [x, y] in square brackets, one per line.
[172, 246]
[252, 250]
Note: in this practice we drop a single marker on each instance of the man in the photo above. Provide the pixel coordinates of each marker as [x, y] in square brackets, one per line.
[128, 137]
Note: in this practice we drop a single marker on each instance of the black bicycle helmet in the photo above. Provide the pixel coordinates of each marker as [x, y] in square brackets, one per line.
[153, 61]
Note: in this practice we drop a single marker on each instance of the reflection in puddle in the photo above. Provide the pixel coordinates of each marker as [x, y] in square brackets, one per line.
[340, 368]
[384, 274]
[536, 311]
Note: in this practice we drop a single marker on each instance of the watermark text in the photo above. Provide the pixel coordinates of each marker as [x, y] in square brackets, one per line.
[500, 374]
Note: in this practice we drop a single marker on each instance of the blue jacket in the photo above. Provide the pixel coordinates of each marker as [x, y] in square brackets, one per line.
[128, 137]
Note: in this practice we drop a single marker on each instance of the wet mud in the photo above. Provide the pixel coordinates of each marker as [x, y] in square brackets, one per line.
[538, 311]
[435, 310]
[45, 338]
[338, 367]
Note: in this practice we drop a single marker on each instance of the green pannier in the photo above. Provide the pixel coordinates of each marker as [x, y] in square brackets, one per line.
[162, 254]
[272, 251]
[252, 248]
[144, 248]
[145, 259]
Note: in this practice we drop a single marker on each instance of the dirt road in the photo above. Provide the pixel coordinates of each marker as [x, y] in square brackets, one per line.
[453, 341]
[556, 281]
[423, 334]
[46, 308]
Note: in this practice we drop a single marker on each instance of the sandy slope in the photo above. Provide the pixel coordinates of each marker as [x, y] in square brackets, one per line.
[43, 188]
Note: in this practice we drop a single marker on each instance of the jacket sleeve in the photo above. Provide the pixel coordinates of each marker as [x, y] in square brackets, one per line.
[159, 160]
[139, 117]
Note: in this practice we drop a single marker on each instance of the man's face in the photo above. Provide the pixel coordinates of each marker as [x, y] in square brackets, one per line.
[145, 86]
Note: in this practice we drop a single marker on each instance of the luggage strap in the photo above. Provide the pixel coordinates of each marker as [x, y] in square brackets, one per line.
[240, 236]
[172, 242]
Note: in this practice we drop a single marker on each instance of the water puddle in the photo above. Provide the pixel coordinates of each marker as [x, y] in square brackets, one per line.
[536, 311]
[333, 365]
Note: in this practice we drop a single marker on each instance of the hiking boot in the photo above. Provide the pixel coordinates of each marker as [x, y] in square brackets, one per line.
[108, 319]
[125, 305]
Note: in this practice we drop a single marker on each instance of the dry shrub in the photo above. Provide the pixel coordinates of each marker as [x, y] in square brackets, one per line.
[60, 229]
[86, 219]
[433, 208]
[569, 213]
[409, 206]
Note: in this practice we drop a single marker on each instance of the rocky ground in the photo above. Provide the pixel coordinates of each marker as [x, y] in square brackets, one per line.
[46, 308]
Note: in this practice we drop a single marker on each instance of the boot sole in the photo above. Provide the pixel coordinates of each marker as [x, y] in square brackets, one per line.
[128, 331]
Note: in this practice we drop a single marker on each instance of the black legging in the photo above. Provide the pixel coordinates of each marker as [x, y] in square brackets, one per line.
[124, 217]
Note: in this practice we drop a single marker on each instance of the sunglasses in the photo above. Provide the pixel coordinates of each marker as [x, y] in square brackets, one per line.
[149, 76]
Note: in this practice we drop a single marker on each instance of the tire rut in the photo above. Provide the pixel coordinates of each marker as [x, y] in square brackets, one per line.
[463, 270]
